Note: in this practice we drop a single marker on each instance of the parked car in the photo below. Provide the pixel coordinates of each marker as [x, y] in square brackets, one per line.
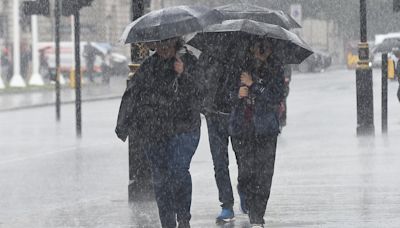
[316, 62]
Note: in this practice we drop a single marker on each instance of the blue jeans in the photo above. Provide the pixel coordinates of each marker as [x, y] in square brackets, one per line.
[170, 162]
[219, 138]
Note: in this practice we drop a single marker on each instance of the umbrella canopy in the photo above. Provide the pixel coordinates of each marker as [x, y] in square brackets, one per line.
[387, 45]
[169, 23]
[258, 13]
[220, 40]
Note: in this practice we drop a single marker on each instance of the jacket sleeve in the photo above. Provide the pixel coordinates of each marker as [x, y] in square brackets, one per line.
[271, 89]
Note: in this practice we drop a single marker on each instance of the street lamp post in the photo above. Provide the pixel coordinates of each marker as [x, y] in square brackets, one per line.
[365, 105]
[140, 186]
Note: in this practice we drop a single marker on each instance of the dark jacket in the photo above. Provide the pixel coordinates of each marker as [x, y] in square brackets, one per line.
[158, 102]
[265, 95]
[218, 82]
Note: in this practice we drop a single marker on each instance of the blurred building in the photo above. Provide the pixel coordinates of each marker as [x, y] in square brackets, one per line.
[104, 21]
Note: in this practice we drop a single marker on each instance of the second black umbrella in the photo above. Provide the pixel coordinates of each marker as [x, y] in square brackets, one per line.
[233, 36]
[170, 22]
[257, 13]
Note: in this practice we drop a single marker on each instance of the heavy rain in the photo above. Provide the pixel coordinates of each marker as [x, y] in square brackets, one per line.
[198, 113]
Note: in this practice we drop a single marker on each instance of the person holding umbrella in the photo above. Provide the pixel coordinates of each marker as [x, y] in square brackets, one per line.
[217, 104]
[396, 53]
[254, 127]
[217, 109]
[258, 89]
[162, 105]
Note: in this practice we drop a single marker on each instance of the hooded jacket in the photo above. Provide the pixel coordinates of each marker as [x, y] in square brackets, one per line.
[159, 103]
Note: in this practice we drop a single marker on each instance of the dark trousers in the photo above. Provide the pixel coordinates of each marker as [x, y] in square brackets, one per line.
[256, 158]
[219, 138]
[398, 92]
[170, 162]
[90, 71]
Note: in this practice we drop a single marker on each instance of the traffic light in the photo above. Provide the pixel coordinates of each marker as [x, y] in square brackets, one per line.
[69, 7]
[396, 5]
[38, 7]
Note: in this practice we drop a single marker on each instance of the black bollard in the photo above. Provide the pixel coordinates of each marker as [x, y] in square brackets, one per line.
[140, 186]
[364, 91]
[384, 93]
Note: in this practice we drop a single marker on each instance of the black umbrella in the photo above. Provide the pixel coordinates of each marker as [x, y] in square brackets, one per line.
[232, 37]
[169, 23]
[387, 45]
[258, 13]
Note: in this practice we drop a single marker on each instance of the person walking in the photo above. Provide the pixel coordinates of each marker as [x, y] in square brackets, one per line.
[217, 108]
[106, 67]
[162, 103]
[396, 53]
[254, 127]
[89, 53]
[283, 107]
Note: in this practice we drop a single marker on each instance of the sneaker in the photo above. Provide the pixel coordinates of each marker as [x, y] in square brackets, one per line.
[243, 206]
[184, 224]
[257, 226]
[226, 216]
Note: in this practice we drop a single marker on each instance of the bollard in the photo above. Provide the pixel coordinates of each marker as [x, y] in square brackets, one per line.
[364, 90]
[384, 93]
[140, 186]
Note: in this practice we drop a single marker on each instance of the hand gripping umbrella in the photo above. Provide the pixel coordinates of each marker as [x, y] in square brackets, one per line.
[170, 22]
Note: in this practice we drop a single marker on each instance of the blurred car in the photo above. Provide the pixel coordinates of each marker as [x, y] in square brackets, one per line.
[119, 63]
[314, 63]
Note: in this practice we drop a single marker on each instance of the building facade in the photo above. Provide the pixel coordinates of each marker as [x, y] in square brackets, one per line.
[104, 21]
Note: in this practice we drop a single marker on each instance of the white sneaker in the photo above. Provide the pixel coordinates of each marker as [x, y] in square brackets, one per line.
[257, 226]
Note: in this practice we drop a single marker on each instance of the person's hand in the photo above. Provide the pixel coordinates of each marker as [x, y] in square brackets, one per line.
[179, 66]
[246, 79]
[243, 92]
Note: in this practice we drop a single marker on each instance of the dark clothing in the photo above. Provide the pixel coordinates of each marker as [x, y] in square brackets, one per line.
[25, 59]
[217, 108]
[218, 82]
[398, 78]
[398, 93]
[158, 103]
[256, 158]
[162, 109]
[265, 95]
[89, 53]
[288, 78]
[218, 137]
[254, 127]
[170, 163]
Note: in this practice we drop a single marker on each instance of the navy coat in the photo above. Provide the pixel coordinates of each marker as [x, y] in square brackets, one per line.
[265, 95]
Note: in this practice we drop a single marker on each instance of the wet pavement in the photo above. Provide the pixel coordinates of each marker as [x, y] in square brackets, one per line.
[35, 96]
[325, 175]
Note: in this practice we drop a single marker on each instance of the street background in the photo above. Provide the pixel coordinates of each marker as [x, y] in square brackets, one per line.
[325, 175]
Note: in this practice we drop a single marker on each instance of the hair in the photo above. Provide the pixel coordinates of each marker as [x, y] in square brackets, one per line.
[180, 43]
[262, 42]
